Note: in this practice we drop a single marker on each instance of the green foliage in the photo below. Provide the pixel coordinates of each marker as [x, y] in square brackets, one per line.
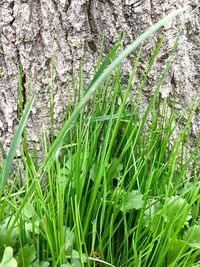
[132, 200]
[8, 259]
[192, 236]
[115, 188]
[27, 255]
[15, 142]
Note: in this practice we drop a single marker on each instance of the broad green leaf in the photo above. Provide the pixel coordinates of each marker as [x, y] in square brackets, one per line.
[27, 255]
[152, 209]
[69, 235]
[30, 227]
[11, 242]
[75, 256]
[192, 236]
[8, 259]
[175, 204]
[28, 210]
[176, 246]
[177, 212]
[15, 142]
[132, 200]
[40, 264]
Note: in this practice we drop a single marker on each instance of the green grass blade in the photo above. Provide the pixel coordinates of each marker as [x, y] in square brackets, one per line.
[111, 56]
[15, 142]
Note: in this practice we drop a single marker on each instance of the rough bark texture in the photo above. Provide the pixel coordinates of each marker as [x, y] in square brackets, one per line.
[35, 32]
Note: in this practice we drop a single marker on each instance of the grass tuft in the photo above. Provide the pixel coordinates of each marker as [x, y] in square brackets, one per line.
[115, 187]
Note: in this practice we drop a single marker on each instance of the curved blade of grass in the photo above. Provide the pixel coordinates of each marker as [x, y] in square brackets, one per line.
[15, 142]
[111, 56]
[108, 117]
[98, 80]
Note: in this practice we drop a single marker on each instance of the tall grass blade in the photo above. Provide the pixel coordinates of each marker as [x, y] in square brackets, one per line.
[15, 142]
[111, 56]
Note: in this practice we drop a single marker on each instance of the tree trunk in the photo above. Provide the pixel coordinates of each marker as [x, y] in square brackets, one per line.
[35, 33]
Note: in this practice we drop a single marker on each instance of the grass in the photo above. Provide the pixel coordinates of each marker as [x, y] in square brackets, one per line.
[113, 189]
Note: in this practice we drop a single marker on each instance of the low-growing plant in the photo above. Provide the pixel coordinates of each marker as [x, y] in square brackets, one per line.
[112, 190]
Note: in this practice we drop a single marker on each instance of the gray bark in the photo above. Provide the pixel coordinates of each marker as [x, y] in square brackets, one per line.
[35, 32]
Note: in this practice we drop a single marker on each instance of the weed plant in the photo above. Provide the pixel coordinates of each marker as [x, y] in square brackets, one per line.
[114, 188]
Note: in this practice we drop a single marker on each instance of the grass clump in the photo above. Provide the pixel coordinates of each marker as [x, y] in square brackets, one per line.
[112, 190]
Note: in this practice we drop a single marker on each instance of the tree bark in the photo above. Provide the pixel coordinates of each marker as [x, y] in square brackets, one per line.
[33, 33]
